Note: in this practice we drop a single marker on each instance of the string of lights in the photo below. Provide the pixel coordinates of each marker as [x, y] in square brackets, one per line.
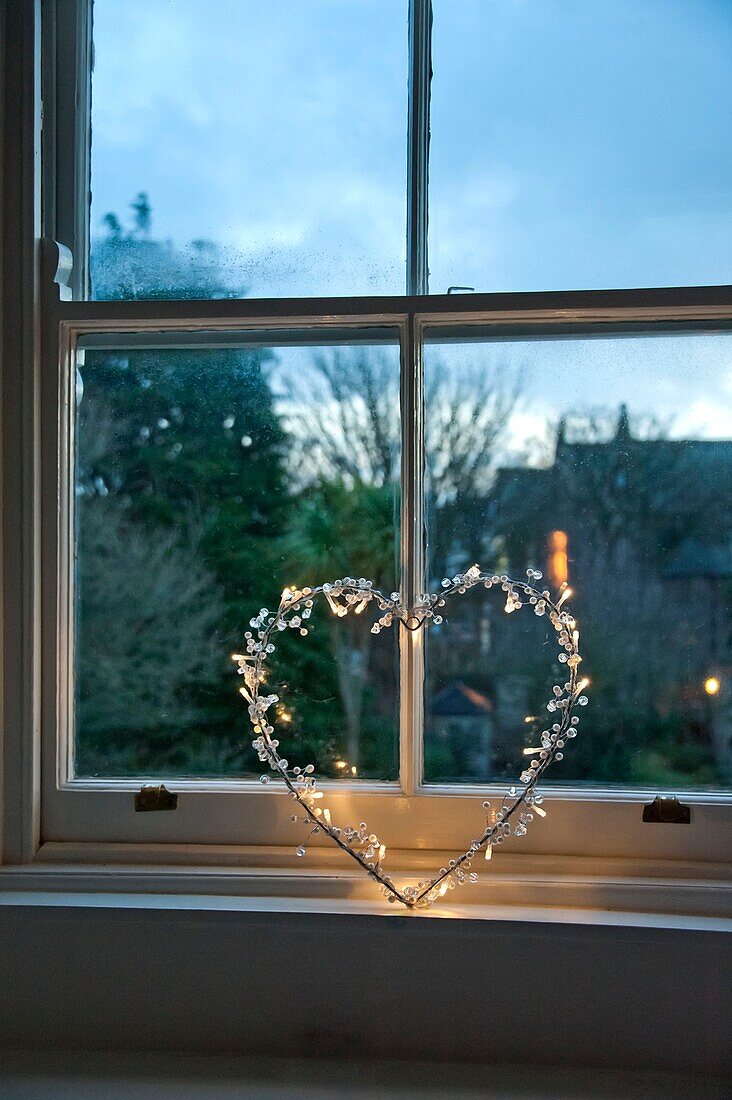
[351, 596]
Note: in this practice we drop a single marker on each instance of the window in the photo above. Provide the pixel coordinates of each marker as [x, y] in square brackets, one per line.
[259, 384]
[645, 507]
[245, 150]
[205, 479]
[573, 145]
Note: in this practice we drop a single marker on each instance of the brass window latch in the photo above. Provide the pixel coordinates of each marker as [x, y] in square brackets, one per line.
[155, 796]
[667, 810]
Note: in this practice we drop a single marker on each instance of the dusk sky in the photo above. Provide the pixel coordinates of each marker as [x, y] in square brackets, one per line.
[581, 143]
[575, 144]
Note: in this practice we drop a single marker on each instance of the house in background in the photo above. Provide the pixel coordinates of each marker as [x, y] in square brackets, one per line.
[641, 528]
[462, 722]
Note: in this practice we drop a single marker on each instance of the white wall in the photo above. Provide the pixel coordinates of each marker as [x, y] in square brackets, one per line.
[299, 984]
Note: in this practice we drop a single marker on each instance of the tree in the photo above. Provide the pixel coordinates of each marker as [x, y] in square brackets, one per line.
[143, 215]
[183, 455]
[130, 264]
[193, 444]
[197, 441]
[337, 532]
[113, 226]
[343, 417]
[147, 640]
[352, 428]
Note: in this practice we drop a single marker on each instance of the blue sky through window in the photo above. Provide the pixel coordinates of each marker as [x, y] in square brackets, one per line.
[581, 144]
[575, 143]
[277, 131]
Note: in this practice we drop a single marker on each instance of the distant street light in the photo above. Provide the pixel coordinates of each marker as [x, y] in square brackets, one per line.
[711, 685]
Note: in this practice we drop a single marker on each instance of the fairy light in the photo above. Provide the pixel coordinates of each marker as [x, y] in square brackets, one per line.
[564, 597]
[518, 805]
[712, 685]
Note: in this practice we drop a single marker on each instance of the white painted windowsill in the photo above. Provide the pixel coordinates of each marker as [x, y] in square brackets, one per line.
[525, 890]
[271, 905]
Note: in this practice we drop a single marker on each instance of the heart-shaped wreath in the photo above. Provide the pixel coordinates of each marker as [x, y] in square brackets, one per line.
[346, 596]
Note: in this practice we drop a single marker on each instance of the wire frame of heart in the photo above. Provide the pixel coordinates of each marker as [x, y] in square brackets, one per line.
[350, 596]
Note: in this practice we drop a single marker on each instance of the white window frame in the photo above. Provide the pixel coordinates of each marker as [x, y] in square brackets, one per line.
[49, 817]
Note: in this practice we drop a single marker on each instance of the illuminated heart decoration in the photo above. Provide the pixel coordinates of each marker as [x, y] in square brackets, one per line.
[349, 596]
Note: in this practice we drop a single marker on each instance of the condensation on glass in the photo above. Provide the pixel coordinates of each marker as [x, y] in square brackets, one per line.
[580, 146]
[607, 464]
[248, 149]
[211, 472]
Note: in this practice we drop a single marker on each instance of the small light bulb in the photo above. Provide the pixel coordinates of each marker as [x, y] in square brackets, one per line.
[712, 685]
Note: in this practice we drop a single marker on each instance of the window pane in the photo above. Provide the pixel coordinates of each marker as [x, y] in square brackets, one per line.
[606, 463]
[207, 479]
[241, 148]
[581, 145]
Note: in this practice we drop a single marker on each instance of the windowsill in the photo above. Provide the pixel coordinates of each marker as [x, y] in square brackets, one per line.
[342, 908]
[526, 889]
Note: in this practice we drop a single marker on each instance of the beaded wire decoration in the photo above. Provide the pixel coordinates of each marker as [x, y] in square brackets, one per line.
[350, 596]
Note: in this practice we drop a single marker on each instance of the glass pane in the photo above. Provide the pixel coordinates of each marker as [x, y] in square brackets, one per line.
[241, 148]
[580, 145]
[606, 463]
[207, 479]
